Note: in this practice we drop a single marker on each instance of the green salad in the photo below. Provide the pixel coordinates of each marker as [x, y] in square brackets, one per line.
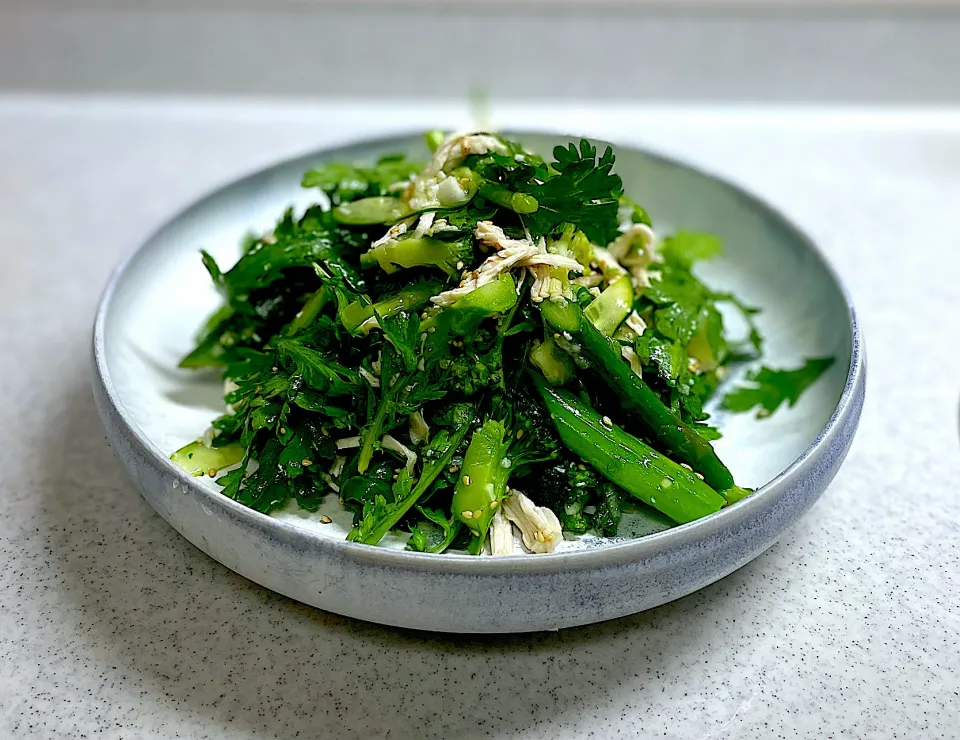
[488, 351]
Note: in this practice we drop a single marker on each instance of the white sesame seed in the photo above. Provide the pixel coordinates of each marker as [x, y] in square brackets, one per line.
[607, 421]
[306, 462]
[478, 513]
[494, 504]
[684, 465]
[467, 514]
[324, 519]
[466, 480]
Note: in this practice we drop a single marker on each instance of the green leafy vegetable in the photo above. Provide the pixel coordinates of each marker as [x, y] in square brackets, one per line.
[578, 189]
[429, 340]
[769, 389]
[345, 182]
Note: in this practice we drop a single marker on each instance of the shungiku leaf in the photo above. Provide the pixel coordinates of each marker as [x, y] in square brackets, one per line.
[768, 389]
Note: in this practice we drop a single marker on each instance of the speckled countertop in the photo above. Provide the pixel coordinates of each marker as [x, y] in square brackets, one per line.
[112, 626]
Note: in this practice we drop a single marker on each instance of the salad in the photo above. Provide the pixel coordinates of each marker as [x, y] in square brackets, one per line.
[489, 350]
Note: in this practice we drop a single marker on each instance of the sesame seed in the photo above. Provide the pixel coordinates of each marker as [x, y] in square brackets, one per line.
[212, 472]
[607, 421]
[306, 462]
[519, 433]
[459, 265]
[699, 475]
[494, 504]
[273, 369]
[453, 468]
[283, 430]
[432, 329]
[324, 519]
[581, 466]
[466, 480]
[467, 514]
[684, 465]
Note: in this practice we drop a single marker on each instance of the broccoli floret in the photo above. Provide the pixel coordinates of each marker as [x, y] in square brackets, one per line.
[606, 519]
[566, 488]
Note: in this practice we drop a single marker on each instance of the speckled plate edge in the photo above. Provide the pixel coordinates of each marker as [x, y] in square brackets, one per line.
[835, 436]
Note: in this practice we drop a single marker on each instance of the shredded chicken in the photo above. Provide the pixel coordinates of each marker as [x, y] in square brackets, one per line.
[538, 525]
[330, 482]
[457, 147]
[491, 235]
[593, 280]
[393, 233]
[425, 224]
[338, 464]
[372, 379]
[512, 253]
[440, 225]
[501, 534]
[419, 430]
[639, 235]
[607, 264]
[635, 323]
[630, 355]
[636, 249]
[434, 186]
[345, 443]
[392, 444]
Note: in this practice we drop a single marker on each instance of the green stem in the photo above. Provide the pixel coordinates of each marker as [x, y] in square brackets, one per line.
[625, 460]
[517, 202]
[677, 438]
[430, 472]
[308, 313]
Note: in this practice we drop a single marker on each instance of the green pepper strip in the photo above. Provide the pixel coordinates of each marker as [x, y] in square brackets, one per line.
[625, 460]
[678, 439]
[483, 478]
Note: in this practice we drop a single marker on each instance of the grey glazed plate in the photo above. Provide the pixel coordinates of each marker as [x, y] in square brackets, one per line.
[159, 296]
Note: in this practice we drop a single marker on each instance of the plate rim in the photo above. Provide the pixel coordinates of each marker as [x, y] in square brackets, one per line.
[612, 554]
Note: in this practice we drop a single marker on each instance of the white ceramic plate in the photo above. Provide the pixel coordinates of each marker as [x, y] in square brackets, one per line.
[161, 294]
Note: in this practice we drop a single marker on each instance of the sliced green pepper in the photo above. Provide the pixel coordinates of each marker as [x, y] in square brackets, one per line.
[199, 459]
[483, 478]
[379, 209]
[625, 460]
[358, 316]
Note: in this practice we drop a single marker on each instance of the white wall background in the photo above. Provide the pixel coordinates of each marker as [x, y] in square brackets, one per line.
[849, 51]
